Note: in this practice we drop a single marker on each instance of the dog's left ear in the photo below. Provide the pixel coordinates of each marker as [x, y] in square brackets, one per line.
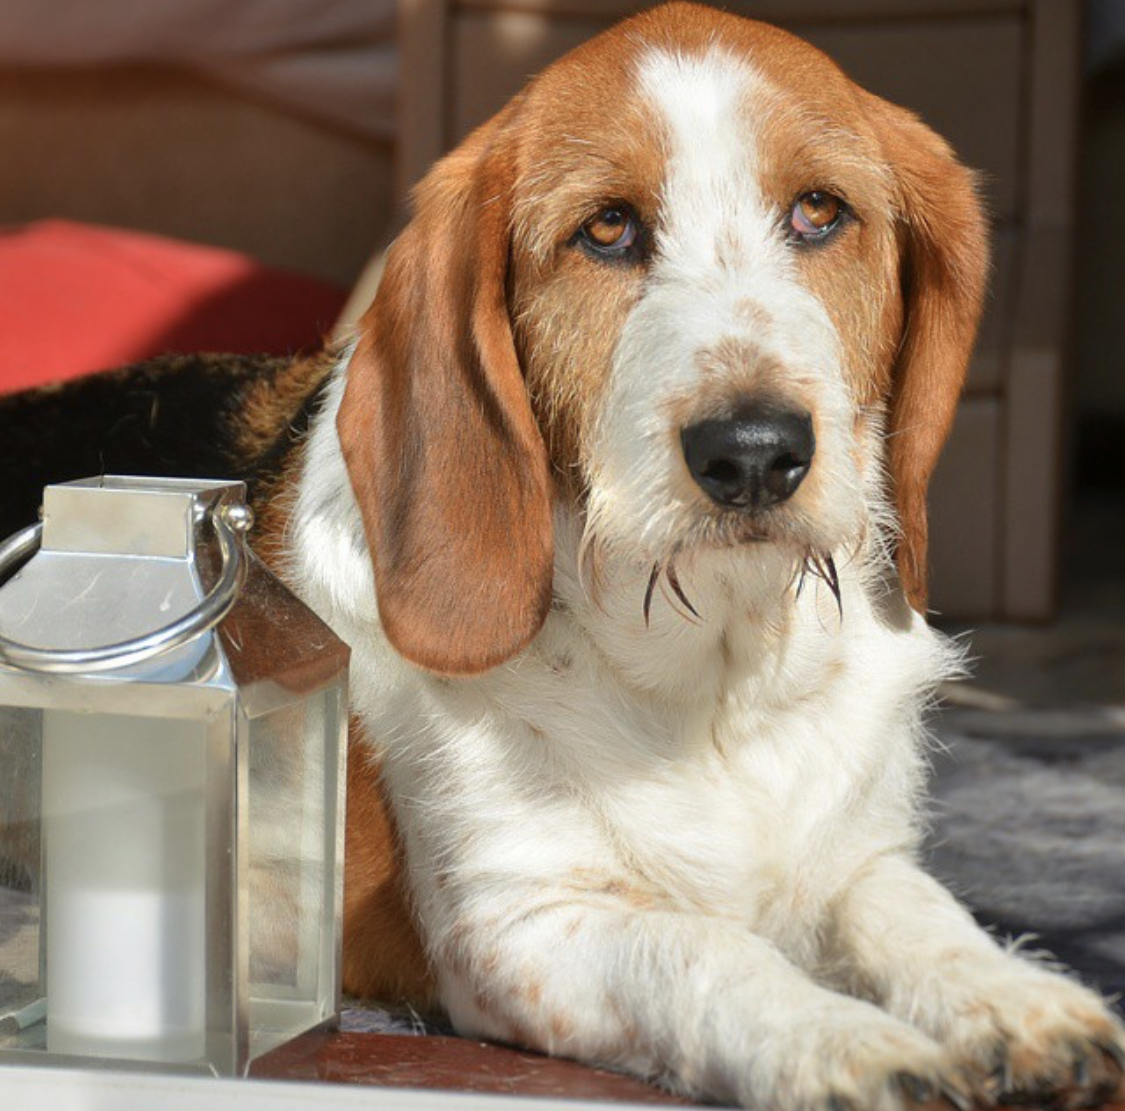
[943, 245]
[444, 454]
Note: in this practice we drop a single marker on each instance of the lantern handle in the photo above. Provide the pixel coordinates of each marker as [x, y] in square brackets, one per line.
[231, 521]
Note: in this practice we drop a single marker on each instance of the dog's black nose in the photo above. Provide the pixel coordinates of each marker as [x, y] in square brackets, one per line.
[752, 460]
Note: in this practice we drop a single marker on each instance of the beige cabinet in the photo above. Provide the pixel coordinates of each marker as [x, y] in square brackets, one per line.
[999, 78]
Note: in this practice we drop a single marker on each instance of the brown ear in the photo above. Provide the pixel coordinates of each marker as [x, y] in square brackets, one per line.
[944, 267]
[443, 452]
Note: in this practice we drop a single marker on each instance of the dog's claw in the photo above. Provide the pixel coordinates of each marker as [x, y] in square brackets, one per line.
[917, 1088]
[1081, 1072]
[1009, 1077]
[991, 1086]
[1039, 1096]
[993, 1077]
[1115, 1052]
[1095, 1097]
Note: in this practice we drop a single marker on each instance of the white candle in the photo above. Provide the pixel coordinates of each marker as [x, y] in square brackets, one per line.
[123, 807]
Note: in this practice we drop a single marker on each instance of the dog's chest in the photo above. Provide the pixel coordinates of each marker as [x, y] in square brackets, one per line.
[754, 801]
[759, 819]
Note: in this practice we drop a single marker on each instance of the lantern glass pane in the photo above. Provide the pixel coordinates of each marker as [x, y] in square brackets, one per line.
[292, 855]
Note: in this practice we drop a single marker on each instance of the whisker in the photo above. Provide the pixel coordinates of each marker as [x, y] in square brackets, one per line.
[833, 581]
[797, 579]
[674, 582]
[648, 591]
[824, 568]
[804, 570]
[674, 604]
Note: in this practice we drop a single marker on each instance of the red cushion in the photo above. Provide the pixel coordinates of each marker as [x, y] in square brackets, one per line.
[75, 298]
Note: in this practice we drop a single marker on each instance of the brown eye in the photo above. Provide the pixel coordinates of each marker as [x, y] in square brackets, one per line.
[815, 215]
[611, 232]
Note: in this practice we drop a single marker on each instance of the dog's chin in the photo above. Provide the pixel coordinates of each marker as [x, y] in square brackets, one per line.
[731, 530]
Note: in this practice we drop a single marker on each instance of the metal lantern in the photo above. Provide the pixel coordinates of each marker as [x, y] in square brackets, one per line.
[172, 726]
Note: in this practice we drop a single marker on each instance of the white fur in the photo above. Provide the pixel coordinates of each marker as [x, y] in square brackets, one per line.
[676, 849]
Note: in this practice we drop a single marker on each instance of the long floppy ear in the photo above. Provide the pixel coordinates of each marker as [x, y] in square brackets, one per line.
[443, 452]
[944, 267]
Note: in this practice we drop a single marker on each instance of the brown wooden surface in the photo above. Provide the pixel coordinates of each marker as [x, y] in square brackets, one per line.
[455, 1064]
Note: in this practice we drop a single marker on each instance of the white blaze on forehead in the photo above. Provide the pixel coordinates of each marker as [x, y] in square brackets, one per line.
[724, 278]
[711, 200]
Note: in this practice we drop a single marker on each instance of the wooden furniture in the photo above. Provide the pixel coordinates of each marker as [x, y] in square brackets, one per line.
[166, 150]
[999, 78]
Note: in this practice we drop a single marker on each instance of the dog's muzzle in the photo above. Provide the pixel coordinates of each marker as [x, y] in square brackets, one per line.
[752, 460]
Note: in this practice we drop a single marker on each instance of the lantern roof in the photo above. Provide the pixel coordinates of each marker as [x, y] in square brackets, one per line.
[122, 557]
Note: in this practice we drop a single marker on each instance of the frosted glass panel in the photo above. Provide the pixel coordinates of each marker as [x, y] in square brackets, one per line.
[123, 819]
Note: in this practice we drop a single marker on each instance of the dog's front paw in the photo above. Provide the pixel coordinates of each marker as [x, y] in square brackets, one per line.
[1026, 1035]
[858, 1058]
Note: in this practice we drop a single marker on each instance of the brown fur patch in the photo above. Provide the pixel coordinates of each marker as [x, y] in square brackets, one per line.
[586, 141]
[269, 406]
[383, 953]
[562, 1028]
[272, 409]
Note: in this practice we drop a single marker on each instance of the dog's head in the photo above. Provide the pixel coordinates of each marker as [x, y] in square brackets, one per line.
[692, 278]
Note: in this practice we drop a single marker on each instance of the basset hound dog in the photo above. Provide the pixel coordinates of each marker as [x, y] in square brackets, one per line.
[619, 498]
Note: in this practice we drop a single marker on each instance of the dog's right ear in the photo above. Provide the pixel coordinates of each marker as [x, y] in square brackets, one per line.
[943, 238]
[443, 452]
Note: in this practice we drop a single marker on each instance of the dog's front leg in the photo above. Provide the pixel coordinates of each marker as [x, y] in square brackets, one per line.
[1018, 1027]
[695, 1002]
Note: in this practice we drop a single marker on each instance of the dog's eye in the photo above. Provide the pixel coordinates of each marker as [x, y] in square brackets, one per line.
[611, 229]
[613, 233]
[815, 216]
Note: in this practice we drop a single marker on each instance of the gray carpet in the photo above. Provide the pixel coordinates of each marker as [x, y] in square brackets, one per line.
[1029, 828]
[1030, 822]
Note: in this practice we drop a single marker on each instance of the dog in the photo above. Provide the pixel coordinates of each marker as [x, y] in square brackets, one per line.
[618, 497]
